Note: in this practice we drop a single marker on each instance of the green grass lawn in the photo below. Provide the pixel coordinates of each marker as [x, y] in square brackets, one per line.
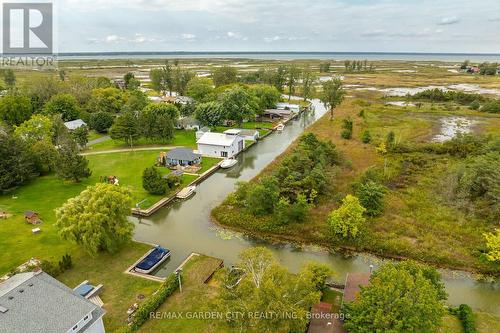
[182, 138]
[46, 193]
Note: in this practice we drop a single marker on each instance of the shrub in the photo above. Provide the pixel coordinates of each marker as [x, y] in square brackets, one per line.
[371, 196]
[50, 268]
[466, 316]
[101, 121]
[474, 105]
[65, 263]
[153, 182]
[348, 218]
[347, 125]
[366, 136]
[152, 303]
[491, 107]
[390, 140]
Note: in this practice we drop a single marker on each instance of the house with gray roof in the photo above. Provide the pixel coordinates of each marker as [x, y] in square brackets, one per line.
[36, 302]
[182, 156]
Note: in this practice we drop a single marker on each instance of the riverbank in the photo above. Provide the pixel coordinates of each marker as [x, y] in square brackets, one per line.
[414, 224]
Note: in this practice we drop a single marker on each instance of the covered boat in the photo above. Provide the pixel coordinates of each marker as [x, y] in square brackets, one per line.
[228, 163]
[152, 260]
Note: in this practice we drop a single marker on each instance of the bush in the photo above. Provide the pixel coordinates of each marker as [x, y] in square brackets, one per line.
[101, 121]
[474, 105]
[153, 182]
[50, 268]
[65, 263]
[152, 303]
[347, 125]
[491, 107]
[371, 196]
[466, 316]
[366, 136]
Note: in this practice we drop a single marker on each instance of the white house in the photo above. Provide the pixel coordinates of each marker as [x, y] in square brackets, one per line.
[36, 302]
[247, 134]
[288, 106]
[220, 144]
[74, 124]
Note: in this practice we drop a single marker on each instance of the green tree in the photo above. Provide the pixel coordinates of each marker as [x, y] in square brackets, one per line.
[81, 136]
[267, 285]
[292, 77]
[126, 128]
[280, 78]
[399, 298]
[262, 197]
[17, 164]
[15, 109]
[97, 218]
[181, 79]
[332, 94]
[101, 121]
[224, 75]
[201, 89]
[9, 77]
[70, 164]
[131, 82]
[158, 80]
[209, 114]
[64, 104]
[157, 121]
[153, 182]
[237, 104]
[366, 137]
[348, 219]
[267, 96]
[371, 196]
[37, 128]
[45, 156]
[106, 100]
[308, 80]
[493, 245]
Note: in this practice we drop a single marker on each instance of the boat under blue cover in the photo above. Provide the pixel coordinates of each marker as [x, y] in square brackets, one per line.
[154, 258]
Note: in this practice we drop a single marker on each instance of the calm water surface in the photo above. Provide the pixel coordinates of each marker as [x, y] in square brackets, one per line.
[185, 227]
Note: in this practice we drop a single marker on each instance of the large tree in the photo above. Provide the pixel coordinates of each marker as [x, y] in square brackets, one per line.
[106, 99]
[126, 128]
[70, 164]
[292, 77]
[201, 89]
[15, 109]
[403, 297]
[37, 128]
[97, 218]
[209, 114]
[153, 181]
[267, 96]
[267, 287]
[224, 75]
[64, 104]
[238, 104]
[157, 121]
[332, 95]
[101, 121]
[308, 80]
[16, 162]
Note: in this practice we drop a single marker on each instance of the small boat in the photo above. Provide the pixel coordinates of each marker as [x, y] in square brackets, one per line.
[153, 259]
[280, 127]
[186, 192]
[228, 163]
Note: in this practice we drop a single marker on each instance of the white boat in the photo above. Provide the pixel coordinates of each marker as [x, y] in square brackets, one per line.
[228, 163]
[186, 192]
[280, 127]
[152, 259]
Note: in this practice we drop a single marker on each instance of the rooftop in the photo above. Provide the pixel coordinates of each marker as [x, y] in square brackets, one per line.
[36, 302]
[216, 139]
[74, 124]
[182, 154]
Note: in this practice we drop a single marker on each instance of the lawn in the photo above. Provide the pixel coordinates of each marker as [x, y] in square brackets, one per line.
[182, 138]
[46, 193]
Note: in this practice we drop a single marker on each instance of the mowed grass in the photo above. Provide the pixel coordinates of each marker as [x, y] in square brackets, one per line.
[182, 138]
[44, 194]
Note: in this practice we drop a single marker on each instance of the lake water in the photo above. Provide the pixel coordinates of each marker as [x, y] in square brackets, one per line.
[372, 56]
[185, 227]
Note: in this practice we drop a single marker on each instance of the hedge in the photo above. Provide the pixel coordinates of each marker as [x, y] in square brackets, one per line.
[152, 303]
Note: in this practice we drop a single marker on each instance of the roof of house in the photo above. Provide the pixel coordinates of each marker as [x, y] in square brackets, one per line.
[279, 112]
[217, 139]
[352, 284]
[182, 154]
[324, 324]
[248, 132]
[188, 121]
[232, 131]
[204, 129]
[74, 124]
[29, 213]
[36, 302]
[282, 106]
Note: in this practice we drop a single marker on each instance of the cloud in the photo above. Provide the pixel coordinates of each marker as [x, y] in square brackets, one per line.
[373, 33]
[189, 37]
[449, 20]
[494, 19]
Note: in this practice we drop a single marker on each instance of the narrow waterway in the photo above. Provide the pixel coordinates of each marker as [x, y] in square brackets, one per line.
[185, 227]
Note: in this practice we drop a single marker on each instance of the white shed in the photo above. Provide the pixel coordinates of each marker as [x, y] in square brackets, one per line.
[220, 145]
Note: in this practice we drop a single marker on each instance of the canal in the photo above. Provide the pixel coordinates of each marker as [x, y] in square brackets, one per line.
[185, 227]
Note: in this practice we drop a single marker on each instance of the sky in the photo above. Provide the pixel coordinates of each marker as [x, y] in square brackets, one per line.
[277, 25]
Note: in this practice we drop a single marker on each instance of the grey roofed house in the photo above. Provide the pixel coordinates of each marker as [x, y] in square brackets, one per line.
[277, 113]
[36, 302]
[74, 124]
[188, 123]
[182, 156]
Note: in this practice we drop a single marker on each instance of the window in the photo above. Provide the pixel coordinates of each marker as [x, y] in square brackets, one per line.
[75, 327]
[86, 317]
[223, 153]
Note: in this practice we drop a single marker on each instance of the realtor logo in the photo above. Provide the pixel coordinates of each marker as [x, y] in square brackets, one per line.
[27, 28]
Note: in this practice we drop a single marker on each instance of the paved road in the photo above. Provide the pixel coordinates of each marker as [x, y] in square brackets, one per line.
[98, 140]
